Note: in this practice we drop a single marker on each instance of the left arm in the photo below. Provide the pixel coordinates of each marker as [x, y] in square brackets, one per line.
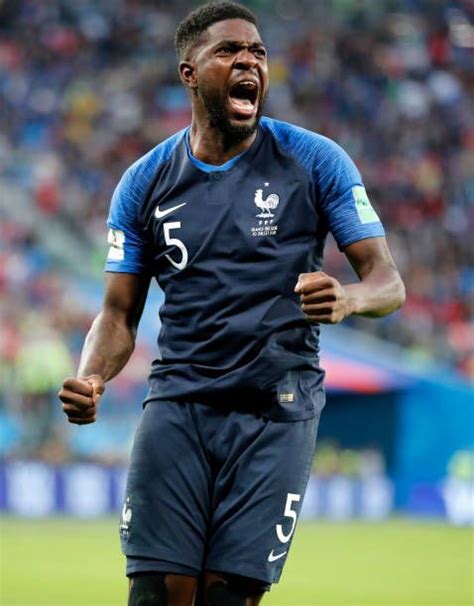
[379, 292]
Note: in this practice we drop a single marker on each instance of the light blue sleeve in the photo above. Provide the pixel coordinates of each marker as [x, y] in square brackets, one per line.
[127, 247]
[343, 199]
[340, 192]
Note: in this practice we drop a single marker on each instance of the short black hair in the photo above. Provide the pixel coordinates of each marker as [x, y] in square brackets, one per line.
[197, 22]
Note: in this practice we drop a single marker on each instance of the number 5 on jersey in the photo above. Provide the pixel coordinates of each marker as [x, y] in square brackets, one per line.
[167, 227]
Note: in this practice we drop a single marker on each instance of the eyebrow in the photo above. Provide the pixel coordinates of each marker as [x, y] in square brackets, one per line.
[239, 44]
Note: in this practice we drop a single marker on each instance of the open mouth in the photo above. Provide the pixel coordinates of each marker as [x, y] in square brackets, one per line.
[243, 97]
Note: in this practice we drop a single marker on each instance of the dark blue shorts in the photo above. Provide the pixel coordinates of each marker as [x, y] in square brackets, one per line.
[213, 489]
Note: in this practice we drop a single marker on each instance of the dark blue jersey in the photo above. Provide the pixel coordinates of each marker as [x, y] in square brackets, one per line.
[226, 245]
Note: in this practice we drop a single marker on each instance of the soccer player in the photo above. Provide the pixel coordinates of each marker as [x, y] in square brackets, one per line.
[230, 216]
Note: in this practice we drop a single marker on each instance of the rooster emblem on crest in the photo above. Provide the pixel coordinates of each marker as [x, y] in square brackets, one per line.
[266, 204]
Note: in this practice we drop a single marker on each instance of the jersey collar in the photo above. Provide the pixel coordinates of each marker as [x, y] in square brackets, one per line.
[212, 168]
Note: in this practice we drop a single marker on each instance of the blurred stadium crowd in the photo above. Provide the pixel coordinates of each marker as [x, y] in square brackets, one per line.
[87, 87]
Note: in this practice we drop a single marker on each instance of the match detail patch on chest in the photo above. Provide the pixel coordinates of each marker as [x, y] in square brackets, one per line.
[266, 203]
[363, 206]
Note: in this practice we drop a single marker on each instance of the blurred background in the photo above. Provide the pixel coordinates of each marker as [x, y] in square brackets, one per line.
[88, 86]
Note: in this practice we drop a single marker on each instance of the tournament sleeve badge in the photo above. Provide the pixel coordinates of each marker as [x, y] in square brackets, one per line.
[364, 208]
[116, 239]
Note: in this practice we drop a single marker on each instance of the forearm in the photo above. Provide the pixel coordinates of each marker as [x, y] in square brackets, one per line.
[107, 348]
[378, 294]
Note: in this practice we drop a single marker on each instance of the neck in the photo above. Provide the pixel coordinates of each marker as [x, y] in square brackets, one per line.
[212, 146]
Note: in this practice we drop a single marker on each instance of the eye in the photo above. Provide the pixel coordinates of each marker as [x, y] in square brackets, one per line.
[261, 53]
[225, 50]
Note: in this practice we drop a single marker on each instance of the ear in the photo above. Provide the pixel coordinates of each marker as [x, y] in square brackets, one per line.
[187, 73]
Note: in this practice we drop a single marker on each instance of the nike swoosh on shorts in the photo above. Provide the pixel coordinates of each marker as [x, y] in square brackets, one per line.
[272, 557]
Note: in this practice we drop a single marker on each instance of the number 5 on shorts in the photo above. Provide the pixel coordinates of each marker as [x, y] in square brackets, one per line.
[289, 513]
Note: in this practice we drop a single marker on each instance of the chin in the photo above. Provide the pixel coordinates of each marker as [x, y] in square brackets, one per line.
[248, 124]
[239, 128]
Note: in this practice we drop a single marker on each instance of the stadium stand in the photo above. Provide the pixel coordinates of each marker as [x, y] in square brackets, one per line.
[87, 87]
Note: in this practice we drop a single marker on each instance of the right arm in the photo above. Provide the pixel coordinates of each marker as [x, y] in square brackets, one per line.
[111, 338]
[108, 345]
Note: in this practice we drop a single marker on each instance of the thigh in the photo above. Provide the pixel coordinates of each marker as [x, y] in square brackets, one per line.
[159, 589]
[231, 590]
[258, 497]
[165, 514]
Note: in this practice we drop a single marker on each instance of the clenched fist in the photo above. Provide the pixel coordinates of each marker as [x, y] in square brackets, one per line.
[80, 397]
[323, 298]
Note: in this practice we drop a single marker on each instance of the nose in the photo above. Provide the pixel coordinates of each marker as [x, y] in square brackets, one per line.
[245, 60]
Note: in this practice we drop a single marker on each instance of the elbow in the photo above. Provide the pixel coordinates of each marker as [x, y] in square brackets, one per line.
[400, 294]
[397, 298]
[394, 298]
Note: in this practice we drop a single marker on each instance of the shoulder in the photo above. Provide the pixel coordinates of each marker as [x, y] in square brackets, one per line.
[290, 134]
[318, 154]
[141, 172]
[132, 189]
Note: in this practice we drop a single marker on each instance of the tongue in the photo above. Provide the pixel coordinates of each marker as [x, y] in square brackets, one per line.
[244, 106]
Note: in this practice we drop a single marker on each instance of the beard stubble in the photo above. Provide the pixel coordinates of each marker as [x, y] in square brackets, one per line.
[216, 106]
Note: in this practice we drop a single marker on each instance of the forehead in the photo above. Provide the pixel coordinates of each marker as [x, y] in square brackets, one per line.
[233, 29]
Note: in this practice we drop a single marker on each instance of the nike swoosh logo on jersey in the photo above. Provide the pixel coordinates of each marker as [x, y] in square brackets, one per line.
[159, 214]
[272, 557]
